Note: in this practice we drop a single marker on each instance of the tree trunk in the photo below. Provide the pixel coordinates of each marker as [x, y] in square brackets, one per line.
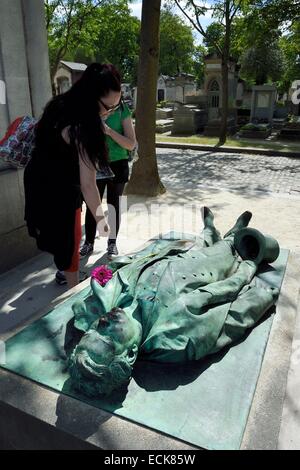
[145, 178]
[223, 130]
[225, 64]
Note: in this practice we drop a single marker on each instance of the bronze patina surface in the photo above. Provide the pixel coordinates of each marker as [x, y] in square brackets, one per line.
[174, 303]
[203, 396]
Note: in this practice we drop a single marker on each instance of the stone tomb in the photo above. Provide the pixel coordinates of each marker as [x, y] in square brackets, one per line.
[26, 88]
[213, 90]
[189, 119]
[290, 131]
[263, 103]
[56, 420]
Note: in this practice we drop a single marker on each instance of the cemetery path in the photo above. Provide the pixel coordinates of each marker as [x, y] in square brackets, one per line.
[229, 171]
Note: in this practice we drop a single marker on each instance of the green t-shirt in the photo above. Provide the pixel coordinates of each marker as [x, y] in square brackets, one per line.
[114, 121]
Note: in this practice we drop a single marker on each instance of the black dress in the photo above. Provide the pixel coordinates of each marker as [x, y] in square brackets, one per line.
[52, 196]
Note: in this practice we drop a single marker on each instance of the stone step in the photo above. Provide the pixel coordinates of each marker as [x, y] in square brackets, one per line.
[164, 125]
[164, 113]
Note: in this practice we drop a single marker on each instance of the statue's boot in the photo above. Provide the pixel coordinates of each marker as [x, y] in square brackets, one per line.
[210, 234]
[242, 222]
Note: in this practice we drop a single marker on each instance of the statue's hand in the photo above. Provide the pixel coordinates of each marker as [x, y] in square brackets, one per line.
[81, 316]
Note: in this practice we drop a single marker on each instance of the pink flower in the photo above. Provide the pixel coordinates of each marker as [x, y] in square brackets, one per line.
[102, 274]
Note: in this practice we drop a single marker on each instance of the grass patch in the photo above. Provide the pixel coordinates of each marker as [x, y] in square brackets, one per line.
[195, 139]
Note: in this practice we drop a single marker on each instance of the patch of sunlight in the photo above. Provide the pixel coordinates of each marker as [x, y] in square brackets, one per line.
[40, 275]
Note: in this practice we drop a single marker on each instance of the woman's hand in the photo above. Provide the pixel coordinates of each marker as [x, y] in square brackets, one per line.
[127, 140]
[107, 129]
[91, 194]
[103, 228]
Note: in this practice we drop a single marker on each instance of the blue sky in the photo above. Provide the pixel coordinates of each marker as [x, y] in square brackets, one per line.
[136, 9]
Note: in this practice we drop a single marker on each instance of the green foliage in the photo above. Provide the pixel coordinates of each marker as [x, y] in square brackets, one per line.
[89, 30]
[262, 63]
[199, 64]
[178, 50]
[264, 37]
[66, 22]
[278, 12]
[292, 119]
[290, 46]
[265, 40]
[162, 104]
[177, 45]
[268, 34]
[108, 32]
[215, 34]
[116, 39]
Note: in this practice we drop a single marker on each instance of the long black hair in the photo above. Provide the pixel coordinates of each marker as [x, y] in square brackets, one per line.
[79, 109]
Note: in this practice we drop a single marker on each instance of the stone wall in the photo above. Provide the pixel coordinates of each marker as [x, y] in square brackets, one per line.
[24, 70]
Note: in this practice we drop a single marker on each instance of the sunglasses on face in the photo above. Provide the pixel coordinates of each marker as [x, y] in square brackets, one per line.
[109, 109]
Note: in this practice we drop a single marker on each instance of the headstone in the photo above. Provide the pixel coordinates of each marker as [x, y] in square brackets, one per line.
[198, 99]
[164, 113]
[184, 119]
[164, 125]
[263, 103]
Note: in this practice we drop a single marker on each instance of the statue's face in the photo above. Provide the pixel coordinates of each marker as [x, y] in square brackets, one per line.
[117, 326]
[109, 336]
[104, 357]
[100, 349]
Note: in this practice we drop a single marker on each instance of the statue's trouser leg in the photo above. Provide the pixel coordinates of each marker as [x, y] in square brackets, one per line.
[242, 222]
[210, 235]
[244, 313]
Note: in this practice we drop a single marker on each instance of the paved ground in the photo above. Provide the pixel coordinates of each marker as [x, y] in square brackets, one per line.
[228, 184]
[234, 172]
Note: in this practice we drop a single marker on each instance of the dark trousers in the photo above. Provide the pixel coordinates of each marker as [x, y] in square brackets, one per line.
[114, 192]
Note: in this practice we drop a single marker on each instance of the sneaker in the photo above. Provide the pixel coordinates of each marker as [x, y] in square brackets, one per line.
[60, 278]
[86, 250]
[112, 249]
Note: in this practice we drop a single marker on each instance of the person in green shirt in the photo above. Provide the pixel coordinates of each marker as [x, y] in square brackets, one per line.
[120, 135]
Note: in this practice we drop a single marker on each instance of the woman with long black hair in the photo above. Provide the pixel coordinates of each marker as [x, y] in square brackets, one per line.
[120, 138]
[70, 149]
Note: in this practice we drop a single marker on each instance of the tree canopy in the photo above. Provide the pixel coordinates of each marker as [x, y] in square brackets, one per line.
[290, 47]
[108, 32]
[262, 63]
[87, 31]
[66, 22]
[177, 45]
[264, 36]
